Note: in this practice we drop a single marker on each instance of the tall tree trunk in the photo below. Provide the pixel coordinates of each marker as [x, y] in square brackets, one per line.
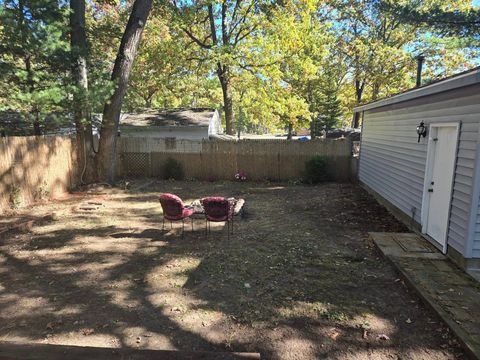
[148, 103]
[290, 131]
[313, 128]
[224, 78]
[37, 130]
[121, 71]
[375, 90]
[81, 108]
[149, 98]
[359, 87]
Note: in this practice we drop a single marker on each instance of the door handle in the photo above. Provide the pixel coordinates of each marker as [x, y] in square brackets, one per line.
[430, 190]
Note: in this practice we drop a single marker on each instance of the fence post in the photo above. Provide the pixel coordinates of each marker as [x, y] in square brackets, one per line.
[150, 171]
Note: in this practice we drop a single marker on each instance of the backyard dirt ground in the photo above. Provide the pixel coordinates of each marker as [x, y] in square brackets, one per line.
[299, 279]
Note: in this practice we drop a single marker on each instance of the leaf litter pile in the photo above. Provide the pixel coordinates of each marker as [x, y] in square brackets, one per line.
[299, 278]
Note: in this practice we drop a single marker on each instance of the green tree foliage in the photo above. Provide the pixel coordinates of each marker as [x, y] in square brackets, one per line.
[372, 43]
[328, 110]
[220, 30]
[167, 73]
[265, 65]
[105, 22]
[461, 20]
[33, 50]
[379, 47]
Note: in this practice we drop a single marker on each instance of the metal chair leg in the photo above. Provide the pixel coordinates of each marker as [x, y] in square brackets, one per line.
[183, 228]
[192, 223]
[163, 224]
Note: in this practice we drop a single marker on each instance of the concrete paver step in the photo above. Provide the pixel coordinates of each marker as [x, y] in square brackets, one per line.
[449, 291]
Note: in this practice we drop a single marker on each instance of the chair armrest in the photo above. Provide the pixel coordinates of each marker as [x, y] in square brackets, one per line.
[231, 208]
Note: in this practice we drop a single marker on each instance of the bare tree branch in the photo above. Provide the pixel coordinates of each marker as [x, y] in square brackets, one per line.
[242, 19]
[239, 38]
[196, 40]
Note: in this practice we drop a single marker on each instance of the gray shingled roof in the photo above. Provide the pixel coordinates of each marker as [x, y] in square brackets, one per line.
[171, 118]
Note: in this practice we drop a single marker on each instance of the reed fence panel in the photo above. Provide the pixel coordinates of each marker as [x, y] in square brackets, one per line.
[32, 168]
[220, 159]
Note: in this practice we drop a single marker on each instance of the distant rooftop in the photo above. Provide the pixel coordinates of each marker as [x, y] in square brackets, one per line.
[169, 118]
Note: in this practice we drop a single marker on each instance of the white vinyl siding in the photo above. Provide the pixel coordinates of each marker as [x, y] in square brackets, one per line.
[392, 162]
[476, 239]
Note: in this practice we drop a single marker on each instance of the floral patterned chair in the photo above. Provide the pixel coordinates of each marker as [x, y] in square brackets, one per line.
[218, 209]
[175, 210]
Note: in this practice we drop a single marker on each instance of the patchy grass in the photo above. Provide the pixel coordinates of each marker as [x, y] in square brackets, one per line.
[299, 279]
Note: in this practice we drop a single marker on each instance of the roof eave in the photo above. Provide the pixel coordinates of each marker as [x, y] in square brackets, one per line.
[462, 80]
[166, 127]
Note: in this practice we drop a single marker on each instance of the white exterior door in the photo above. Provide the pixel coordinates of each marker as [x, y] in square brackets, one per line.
[441, 160]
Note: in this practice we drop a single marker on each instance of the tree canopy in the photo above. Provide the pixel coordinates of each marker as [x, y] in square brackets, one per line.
[265, 65]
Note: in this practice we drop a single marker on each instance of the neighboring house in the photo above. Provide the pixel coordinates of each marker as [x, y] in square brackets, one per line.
[434, 182]
[190, 124]
[352, 133]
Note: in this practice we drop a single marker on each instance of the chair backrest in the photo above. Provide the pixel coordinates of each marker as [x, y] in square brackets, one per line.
[216, 208]
[172, 205]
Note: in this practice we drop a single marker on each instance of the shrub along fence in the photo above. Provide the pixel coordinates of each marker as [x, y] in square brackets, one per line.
[33, 168]
[221, 159]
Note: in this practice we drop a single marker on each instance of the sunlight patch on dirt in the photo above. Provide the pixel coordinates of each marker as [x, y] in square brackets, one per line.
[297, 279]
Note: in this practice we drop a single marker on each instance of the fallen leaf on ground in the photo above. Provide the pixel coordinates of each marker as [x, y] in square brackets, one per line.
[335, 334]
[87, 331]
[52, 324]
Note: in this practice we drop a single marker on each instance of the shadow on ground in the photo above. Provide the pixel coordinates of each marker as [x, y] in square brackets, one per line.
[298, 280]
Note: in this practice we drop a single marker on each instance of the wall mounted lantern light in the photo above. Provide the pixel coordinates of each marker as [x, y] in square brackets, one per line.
[421, 130]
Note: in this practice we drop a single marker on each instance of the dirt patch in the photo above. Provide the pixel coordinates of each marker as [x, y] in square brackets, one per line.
[299, 278]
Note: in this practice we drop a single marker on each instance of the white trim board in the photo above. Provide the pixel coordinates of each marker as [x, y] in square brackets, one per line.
[461, 80]
[428, 172]
[475, 203]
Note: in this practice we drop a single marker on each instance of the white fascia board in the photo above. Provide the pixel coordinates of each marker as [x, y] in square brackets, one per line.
[462, 80]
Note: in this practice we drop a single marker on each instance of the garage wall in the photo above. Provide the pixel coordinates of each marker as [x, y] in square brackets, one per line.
[392, 163]
[476, 210]
[476, 240]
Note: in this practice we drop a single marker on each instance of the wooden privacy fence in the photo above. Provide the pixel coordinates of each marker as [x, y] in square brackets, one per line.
[32, 168]
[221, 159]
